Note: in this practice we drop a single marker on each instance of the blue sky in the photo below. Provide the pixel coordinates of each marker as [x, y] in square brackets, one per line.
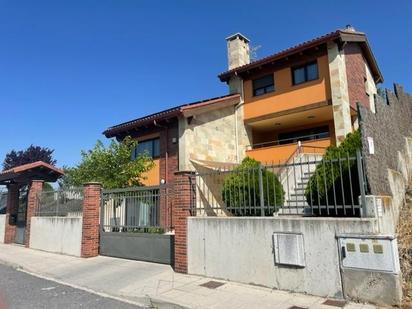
[69, 69]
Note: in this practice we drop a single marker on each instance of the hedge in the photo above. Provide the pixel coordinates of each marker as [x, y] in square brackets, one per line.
[241, 190]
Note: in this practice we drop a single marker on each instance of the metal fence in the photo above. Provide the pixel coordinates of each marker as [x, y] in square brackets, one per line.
[3, 201]
[60, 203]
[137, 209]
[307, 185]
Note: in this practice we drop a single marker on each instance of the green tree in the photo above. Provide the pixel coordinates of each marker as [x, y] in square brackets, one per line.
[110, 165]
[241, 192]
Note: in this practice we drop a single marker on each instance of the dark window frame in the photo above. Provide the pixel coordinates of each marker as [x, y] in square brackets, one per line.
[153, 154]
[305, 67]
[266, 89]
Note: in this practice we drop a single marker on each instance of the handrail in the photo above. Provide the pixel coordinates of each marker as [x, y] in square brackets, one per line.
[277, 142]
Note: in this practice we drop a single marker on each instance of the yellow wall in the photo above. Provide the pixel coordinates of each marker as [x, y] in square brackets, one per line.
[286, 95]
[152, 176]
[281, 153]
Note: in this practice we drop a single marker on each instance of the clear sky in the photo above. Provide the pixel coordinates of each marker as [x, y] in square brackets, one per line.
[70, 69]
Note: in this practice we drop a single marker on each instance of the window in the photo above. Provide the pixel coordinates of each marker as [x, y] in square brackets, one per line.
[305, 73]
[151, 147]
[263, 85]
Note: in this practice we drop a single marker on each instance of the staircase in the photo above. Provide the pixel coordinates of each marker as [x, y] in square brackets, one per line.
[294, 180]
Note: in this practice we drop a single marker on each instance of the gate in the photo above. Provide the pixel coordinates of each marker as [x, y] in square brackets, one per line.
[21, 216]
[135, 224]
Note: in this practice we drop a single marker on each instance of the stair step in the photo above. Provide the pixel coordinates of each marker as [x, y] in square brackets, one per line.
[295, 201]
[298, 194]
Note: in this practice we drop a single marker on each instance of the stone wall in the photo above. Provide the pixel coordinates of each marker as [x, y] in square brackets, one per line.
[210, 136]
[389, 128]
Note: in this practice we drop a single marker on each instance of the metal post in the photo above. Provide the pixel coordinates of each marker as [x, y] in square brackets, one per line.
[262, 198]
[361, 183]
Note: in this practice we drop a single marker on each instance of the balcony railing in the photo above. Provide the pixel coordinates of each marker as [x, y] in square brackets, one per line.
[292, 140]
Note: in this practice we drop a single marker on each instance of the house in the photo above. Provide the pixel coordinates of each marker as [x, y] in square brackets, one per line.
[301, 99]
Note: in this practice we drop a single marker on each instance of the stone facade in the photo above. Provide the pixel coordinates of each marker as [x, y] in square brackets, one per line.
[339, 91]
[237, 51]
[370, 88]
[210, 136]
[388, 127]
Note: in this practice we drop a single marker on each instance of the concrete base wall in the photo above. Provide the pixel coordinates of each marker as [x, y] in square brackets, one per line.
[57, 234]
[241, 249]
[2, 227]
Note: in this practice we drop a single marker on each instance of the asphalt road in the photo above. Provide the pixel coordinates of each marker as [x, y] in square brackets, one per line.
[20, 290]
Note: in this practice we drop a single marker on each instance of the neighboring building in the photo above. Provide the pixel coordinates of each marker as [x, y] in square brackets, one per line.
[302, 97]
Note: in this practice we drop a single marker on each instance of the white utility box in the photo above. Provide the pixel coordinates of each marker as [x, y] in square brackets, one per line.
[378, 253]
[289, 249]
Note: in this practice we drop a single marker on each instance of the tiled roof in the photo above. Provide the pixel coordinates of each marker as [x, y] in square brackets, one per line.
[29, 166]
[165, 114]
[224, 76]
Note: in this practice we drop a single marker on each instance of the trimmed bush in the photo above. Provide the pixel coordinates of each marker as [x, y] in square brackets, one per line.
[241, 192]
[325, 185]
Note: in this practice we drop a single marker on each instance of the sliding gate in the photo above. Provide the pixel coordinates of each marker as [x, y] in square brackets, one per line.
[135, 224]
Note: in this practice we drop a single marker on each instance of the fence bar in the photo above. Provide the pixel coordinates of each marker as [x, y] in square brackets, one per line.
[361, 183]
[261, 193]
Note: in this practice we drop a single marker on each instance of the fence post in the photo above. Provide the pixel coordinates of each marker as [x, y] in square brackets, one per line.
[90, 224]
[181, 210]
[261, 192]
[361, 183]
[35, 189]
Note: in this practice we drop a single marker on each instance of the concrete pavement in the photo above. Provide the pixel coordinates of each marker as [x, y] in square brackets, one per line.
[152, 285]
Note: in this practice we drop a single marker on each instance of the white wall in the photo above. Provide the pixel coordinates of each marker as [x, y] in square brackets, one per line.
[240, 249]
[57, 234]
[2, 227]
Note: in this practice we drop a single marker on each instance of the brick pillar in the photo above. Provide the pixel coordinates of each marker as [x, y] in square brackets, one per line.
[181, 210]
[35, 189]
[11, 213]
[90, 228]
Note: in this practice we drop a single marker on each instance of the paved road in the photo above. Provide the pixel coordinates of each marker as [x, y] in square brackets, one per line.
[19, 290]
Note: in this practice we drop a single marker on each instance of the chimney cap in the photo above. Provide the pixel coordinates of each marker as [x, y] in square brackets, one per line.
[237, 35]
[349, 27]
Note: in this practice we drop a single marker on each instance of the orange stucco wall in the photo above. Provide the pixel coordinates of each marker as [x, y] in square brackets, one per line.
[281, 153]
[287, 95]
[152, 176]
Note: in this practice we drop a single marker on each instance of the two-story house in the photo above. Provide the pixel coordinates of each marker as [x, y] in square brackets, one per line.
[302, 97]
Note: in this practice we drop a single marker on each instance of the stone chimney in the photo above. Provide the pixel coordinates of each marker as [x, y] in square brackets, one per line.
[237, 50]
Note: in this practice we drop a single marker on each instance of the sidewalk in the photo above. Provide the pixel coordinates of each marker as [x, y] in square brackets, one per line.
[148, 284]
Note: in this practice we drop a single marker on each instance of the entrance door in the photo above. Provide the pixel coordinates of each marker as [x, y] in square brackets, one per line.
[21, 216]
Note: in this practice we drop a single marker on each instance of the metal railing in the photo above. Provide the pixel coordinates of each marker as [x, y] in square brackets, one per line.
[307, 185]
[60, 203]
[137, 209]
[292, 140]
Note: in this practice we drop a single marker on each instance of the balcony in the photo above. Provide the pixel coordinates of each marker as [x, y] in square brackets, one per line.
[282, 151]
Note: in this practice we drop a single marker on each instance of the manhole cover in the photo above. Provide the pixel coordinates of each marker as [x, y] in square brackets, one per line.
[297, 307]
[335, 303]
[212, 284]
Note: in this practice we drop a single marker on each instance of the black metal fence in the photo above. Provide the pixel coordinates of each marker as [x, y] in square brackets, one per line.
[137, 209]
[307, 185]
[60, 203]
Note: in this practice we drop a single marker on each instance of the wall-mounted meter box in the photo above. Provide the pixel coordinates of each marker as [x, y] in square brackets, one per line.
[378, 253]
[289, 249]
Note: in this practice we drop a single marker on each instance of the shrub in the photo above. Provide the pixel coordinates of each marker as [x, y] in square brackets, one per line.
[241, 192]
[327, 175]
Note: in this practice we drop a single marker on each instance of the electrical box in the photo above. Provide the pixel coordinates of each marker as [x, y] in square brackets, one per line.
[378, 253]
[289, 249]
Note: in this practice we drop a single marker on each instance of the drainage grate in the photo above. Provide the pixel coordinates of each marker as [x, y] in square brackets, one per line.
[212, 284]
[335, 303]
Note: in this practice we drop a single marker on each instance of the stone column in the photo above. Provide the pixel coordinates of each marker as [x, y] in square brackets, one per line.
[339, 90]
[35, 189]
[90, 225]
[181, 210]
[11, 213]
